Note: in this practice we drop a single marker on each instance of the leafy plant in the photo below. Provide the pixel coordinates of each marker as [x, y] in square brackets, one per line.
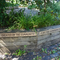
[53, 51]
[58, 48]
[42, 50]
[38, 58]
[56, 58]
[25, 47]
[59, 45]
[20, 52]
[33, 58]
[46, 50]
[50, 52]
[33, 5]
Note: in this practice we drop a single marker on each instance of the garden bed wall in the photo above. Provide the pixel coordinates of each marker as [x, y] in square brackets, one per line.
[15, 39]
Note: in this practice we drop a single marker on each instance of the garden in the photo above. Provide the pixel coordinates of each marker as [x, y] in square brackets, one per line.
[48, 15]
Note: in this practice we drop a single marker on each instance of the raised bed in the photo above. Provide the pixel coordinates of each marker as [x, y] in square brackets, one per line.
[15, 39]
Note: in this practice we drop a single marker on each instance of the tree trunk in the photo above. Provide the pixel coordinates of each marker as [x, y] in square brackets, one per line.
[44, 6]
[44, 3]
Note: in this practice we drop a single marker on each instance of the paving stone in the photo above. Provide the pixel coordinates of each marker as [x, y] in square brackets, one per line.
[20, 58]
[54, 55]
[53, 59]
[52, 47]
[48, 49]
[28, 58]
[46, 58]
[33, 55]
[2, 56]
[58, 52]
[43, 54]
[15, 58]
[30, 53]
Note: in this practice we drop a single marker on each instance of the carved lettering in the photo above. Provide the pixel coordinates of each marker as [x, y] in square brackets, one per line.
[16, 34]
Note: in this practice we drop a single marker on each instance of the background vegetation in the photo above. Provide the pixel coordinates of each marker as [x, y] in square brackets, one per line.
[49, 15]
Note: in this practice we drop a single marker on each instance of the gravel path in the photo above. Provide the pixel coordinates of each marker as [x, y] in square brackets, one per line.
[50, 53]
[27, 11]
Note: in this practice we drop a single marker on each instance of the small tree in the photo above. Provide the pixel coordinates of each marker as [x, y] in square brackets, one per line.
[43, 4]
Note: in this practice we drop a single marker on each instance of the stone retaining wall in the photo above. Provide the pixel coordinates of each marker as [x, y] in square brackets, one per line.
[11, 41]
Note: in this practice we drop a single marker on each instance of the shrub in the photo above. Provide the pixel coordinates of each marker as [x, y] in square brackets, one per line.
[33, 5]
[21, 21]
[2, 12]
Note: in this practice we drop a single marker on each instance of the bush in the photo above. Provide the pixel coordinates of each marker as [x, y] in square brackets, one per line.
[56, 7]
[2, 12]
[32, 5]
[20, 21]
[10, 4]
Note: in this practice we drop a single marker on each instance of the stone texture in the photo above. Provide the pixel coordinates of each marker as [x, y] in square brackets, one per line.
[9, 42]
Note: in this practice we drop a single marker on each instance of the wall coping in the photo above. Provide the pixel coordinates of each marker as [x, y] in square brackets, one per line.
[19, 33]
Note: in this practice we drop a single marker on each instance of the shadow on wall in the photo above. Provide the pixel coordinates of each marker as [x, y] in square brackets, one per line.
[11, 44]
[7, 45]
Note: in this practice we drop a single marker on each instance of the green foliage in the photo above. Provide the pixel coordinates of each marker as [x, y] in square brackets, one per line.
[38, 58]
[59, 45]
[39, 4]
[42, 50]
[58, 48]
[2, 12]
[20, 21]
[25, 46]
[10, 4]
[46, 50]
[53, 51]
[56, 6]
[33, 5]
[50, 52]
[19, 52]
[56, 58]
[2, 3]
